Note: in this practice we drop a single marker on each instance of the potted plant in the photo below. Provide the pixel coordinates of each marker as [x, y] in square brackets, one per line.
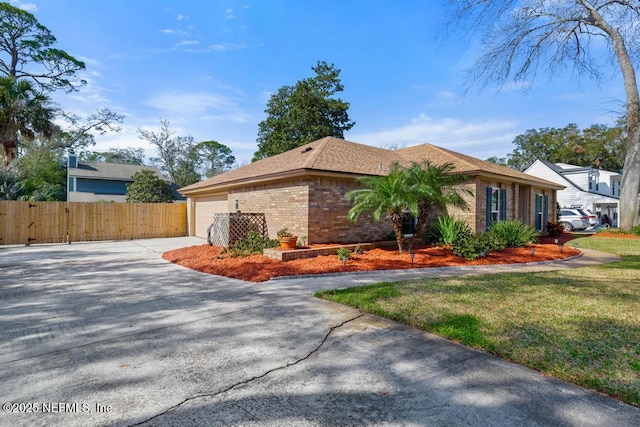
[287, 240]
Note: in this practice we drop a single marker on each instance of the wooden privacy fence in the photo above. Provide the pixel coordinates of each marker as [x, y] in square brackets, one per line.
[61, 222]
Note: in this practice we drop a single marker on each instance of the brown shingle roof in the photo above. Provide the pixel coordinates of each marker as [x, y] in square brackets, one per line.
[466, 164]
[339, 156]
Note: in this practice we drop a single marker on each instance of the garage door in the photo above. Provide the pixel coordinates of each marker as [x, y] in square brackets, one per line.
[205, 207]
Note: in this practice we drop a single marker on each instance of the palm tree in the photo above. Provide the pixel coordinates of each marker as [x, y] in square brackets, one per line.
[434, 187]
[24, 112]
[384, 195]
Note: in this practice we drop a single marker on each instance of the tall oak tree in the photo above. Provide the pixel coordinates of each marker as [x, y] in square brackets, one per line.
[518, 37]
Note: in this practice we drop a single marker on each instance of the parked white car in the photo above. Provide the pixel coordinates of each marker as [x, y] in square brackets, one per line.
[573, 219]
[593, 218]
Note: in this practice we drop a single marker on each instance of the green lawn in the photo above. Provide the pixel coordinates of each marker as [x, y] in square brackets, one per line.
[580, 325]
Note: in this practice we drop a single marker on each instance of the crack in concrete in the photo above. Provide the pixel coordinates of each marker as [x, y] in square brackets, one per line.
[279, 368]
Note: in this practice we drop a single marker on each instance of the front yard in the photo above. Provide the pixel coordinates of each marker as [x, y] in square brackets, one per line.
[580, 325]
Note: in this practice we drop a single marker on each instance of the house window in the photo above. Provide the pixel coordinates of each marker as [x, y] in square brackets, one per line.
[70, 184]
[615, 187]
[541, 211]
[594, 176]
[496, 205]
[408, 224]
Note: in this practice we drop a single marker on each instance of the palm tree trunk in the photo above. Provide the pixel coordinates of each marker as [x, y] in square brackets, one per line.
[421, 224]
[397, 230]
[10, 151]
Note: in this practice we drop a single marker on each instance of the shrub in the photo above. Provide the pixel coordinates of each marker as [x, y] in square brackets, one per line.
[515, 234]
[254, 243]
[147, 187]
[555, 228]
[446, 230]
[475, 246]
[636, 230]
[284, 233]
[344, 254]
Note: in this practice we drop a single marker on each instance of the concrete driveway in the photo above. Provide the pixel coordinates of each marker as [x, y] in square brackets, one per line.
[110, 334]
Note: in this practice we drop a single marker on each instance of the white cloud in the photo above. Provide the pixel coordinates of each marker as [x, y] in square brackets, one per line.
[448, 96]
[199, 104]
[188, 43]
[230, 14]
[480, 139]
[222, 47]
[181, 17]
[186, 103]
[29, 7]
[171, 31]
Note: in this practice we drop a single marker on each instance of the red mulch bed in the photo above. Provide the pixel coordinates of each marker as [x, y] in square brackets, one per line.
[258, 268]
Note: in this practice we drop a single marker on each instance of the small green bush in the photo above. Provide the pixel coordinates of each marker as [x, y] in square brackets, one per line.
[475, 246]
[515, 234]
[555, 228]
[284, 232]
[636, 230]
[344, 254]
[446, 230]
[254, 243]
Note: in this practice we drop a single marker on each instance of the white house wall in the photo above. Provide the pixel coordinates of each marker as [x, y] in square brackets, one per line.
[571, 195]
[580, 179]
[540, 170]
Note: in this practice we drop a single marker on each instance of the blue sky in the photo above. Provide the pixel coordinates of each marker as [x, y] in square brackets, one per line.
[209, 67]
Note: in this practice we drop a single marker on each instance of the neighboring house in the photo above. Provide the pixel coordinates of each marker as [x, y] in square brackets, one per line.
[586, 187]
[304, 190]
[100, 182]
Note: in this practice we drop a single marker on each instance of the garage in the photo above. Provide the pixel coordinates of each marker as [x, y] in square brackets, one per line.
[203, 209]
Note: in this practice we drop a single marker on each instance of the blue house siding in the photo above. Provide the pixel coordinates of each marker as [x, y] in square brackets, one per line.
[101, 186]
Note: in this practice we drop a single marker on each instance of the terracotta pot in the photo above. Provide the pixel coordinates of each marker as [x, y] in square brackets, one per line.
[288, 242]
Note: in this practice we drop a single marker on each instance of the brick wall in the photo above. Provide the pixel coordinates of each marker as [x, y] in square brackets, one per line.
[328, 208]
[284, 204]
[469, 215]
[315, 208]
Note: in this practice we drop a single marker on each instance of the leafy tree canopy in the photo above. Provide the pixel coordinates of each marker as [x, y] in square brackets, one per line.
[299, 114]
[30, 66]
[27, 50]
[128, 156]
[597, 145]
[24, 113]
[217, 158]
[183, 159]
[148, 187]
[38, 174]
[43, 172]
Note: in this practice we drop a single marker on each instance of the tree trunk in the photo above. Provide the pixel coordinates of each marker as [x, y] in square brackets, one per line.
[397, 230]
[629, 212]
[421, 224]
[10, 150]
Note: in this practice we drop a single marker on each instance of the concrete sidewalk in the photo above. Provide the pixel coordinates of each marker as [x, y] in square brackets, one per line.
[108, 333]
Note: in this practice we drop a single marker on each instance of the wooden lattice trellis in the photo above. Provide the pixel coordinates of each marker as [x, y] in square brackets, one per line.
[227, 228]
